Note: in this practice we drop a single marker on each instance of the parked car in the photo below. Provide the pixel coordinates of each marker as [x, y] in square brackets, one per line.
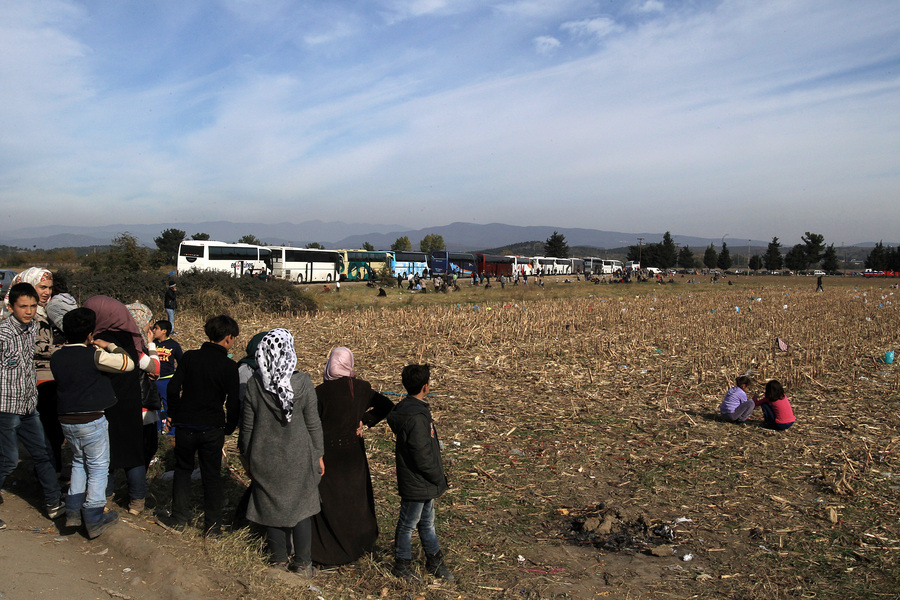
[6, 277]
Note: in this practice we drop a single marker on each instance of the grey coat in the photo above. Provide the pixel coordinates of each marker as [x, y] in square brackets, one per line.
[282, 457]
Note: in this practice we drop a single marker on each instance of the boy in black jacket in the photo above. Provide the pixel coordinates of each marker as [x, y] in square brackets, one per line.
[205, 380]
[420, 475]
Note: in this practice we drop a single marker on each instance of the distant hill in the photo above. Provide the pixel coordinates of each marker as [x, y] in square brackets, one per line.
[458, 236]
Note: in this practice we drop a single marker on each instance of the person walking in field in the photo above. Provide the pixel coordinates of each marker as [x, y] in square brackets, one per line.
[171, 303]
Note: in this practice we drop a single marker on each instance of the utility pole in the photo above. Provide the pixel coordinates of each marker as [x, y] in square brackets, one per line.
[640, 250]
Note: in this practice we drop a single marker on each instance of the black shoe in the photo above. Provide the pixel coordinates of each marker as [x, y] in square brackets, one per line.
[2, 524]
[170, 523]
[403, 569]
[434, 564]
[57, 510]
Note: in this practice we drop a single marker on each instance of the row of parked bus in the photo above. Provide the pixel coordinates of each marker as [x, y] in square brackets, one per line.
[311, 265]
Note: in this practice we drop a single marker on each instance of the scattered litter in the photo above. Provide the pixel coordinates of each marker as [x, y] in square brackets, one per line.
[126, 570]
[61, 539]
[682, 520]
[687, 557]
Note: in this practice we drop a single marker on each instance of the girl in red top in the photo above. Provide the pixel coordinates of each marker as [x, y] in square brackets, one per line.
[776, 407]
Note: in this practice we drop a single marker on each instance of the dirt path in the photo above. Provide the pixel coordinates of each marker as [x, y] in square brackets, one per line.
[131, 560]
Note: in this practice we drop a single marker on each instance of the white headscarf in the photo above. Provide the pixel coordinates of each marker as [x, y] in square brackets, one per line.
[32, 275]
[277, 360]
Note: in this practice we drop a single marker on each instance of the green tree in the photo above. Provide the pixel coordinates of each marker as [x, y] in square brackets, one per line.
[168, 242]
[315, 245]
[686, 258]
[556, 246]
[432, 242]
[668, 252]
[200, 236]
[756, 262]
[402, 244]
[710, 257]
[877, 258]
[124, 255]
[772, 260]
[795, 259]
[830, 260]
[368, 246]
[724, 260]
[384, 275]
[250, 239]
[814, 248]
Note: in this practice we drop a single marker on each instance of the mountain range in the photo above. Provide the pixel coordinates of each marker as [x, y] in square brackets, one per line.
[458, 236]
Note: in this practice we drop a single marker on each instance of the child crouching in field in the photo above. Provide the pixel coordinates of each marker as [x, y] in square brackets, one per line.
[776, 407]
[736, 407]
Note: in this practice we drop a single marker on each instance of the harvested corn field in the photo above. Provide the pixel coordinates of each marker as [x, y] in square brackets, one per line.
[586, 455]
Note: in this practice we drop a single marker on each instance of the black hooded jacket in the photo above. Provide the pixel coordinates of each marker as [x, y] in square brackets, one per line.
[420, 473]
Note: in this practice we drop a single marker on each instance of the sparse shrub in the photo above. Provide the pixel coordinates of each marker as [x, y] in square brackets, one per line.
[201, 291]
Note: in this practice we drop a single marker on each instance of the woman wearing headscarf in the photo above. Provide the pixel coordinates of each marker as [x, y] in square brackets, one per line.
[143, 318]
[247, 366]
[347, 527]
[281, 447]
[115, 324]
[49, 340]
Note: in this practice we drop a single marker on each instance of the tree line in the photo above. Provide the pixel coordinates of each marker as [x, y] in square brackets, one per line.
[126, 254]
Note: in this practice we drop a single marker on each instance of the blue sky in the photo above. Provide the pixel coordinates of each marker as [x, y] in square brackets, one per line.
[758, 118]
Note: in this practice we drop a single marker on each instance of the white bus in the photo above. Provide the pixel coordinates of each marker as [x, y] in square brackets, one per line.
[611, 267]
[521, 265]
[305, 265]
[237, 259]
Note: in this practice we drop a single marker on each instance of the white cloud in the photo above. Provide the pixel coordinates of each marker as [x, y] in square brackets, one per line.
[774, 115]
[546, 44]
[599, 28]
[648, 6]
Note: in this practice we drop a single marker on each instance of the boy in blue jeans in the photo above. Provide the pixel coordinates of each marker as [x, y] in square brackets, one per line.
[19, 418]
[83, 394]
[420, 475]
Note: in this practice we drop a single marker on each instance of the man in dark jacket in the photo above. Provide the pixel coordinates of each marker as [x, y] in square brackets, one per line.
[420, 475]
[205, 380]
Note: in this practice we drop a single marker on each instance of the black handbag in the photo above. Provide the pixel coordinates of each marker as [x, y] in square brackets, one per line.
[149, 394]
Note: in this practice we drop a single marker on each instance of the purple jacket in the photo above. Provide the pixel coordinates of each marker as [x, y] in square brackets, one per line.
[733, 399]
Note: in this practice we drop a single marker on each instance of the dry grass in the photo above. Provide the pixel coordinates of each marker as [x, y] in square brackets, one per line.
[579, 400]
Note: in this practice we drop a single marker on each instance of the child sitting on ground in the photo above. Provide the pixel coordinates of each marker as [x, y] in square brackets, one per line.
[736, 407]
[776, 407]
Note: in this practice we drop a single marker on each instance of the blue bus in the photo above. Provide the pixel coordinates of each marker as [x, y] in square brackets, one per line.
[444, 262]
[409, 264]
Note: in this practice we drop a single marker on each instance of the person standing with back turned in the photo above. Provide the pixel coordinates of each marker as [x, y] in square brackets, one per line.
[420, 475]
[204, 407]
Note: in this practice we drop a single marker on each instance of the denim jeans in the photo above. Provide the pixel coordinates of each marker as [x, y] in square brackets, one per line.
[420, 516]
[207, 445]
[170, 312]
[137, 482]
[89, 443]
[29, 430]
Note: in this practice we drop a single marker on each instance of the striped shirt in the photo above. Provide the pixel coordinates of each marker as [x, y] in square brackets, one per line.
[18, 382]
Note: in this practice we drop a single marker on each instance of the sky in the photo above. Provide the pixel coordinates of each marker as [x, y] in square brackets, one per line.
[756, 118]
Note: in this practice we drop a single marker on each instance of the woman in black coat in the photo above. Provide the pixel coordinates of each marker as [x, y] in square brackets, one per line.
[347, 527]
